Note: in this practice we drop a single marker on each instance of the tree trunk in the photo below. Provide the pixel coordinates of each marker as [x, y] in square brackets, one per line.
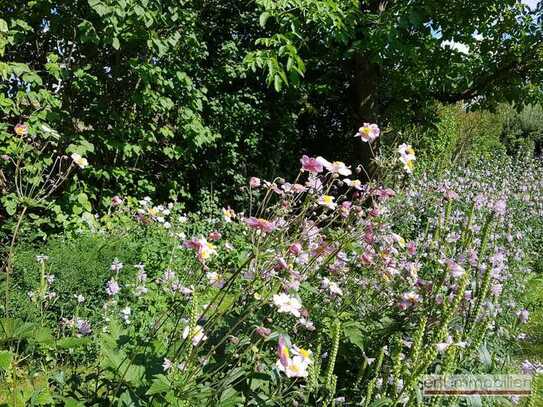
[363, 94]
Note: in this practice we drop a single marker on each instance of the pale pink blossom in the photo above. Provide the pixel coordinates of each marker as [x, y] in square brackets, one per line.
[368, 132]
[260, 224]
[287, 304]
[254, 182]
[311, 164]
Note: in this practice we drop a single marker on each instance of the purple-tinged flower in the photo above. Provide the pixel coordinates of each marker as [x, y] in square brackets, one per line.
[281, 264]
[203, 248]
[496, 289]
[169, 275]
[282, 351]
[531, 368]
[295, 249]
[374, 212]
[328, 201]
[215, 279]
[336, 167]
[79, 298]
[83, 326]
[112, 287]
[366, 259]
[353, 183]
[411, 248]
[263, 331]
[167, 364]
[499, 207]
[116, 266]
[125, 314]
[345, 208]
[450, 195]
[383, 193]
[214, 236]
[455, 269]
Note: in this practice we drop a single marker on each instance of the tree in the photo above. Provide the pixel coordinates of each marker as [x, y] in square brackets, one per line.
[391, 59]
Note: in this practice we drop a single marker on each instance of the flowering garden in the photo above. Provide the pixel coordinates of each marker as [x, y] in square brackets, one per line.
[269, 203]
[324, 290]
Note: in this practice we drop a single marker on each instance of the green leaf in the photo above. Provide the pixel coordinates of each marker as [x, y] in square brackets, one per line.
[353, 332]
[263, 18]
[41, 397]
[139, 10]
[116, 44]
[5, 359]
[473, 401]
[230, 398]
[484, 356]
[72, 342]
[277, 83]
[160, 384]
[3, 26]
[32, 77]
[99, 7]
[42, 335]
[381, 403]
[70, 402]
[10, 203]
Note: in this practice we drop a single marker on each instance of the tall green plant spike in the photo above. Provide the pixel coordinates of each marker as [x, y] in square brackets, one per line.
[315, 369]
[336, 336]
[373, 381]
[417, 340]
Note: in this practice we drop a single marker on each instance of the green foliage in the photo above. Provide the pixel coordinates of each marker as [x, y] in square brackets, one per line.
[397, 58]
[523, 129]
[460, 137]
[154, 94]
[168, 100]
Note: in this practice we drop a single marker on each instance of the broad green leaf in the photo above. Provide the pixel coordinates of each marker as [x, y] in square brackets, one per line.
[5, 359]
[160, 384]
